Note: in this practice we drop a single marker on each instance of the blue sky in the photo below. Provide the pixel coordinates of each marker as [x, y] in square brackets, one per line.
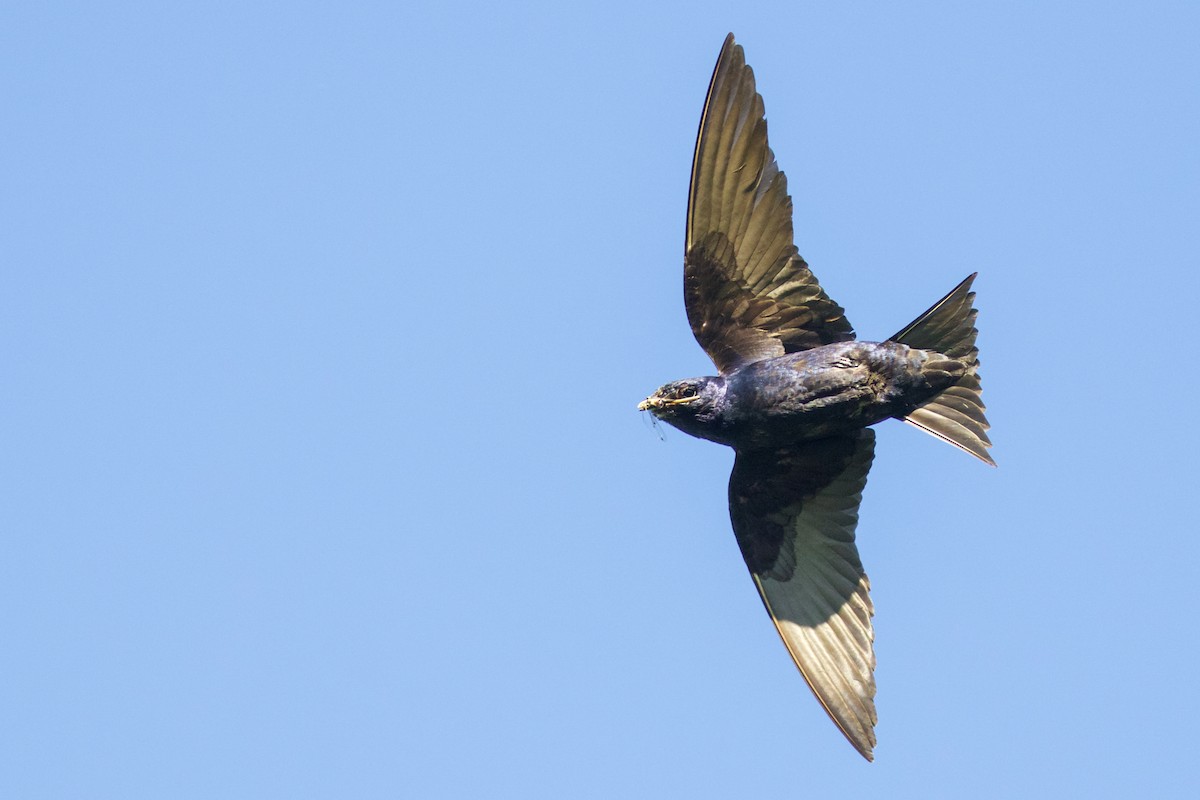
[322, 328]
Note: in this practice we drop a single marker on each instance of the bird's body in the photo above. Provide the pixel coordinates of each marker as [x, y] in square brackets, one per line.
[833, 389]
[796, 395]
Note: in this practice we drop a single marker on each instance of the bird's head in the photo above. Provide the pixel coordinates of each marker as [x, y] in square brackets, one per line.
[686, 403]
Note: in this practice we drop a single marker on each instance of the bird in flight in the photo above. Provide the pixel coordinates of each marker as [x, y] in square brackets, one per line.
[795, 395]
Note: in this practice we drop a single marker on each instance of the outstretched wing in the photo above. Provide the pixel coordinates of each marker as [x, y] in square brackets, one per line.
[749, 294]
[794, 512]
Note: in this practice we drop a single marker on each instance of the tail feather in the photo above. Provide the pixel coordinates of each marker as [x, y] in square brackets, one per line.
[957, 414]
[948, 327]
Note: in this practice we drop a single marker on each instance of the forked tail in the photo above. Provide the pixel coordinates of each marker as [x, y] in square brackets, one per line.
[955, 415]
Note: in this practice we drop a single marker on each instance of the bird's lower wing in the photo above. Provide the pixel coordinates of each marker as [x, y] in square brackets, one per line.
[794, 512]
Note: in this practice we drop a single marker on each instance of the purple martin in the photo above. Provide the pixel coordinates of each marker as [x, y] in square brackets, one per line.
[796, 394]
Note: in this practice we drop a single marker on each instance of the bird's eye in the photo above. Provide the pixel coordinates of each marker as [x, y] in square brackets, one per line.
[685, 391]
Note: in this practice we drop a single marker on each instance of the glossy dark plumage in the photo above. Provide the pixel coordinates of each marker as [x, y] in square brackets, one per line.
[796, 394]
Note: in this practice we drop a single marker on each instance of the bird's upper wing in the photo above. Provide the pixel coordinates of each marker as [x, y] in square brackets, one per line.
[749, 294]
[794, 512]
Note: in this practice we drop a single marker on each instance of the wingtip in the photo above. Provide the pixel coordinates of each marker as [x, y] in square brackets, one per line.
[730, 44]
[865, 746]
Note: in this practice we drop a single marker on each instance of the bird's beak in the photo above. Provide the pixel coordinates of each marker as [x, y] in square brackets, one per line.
[655, 402]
